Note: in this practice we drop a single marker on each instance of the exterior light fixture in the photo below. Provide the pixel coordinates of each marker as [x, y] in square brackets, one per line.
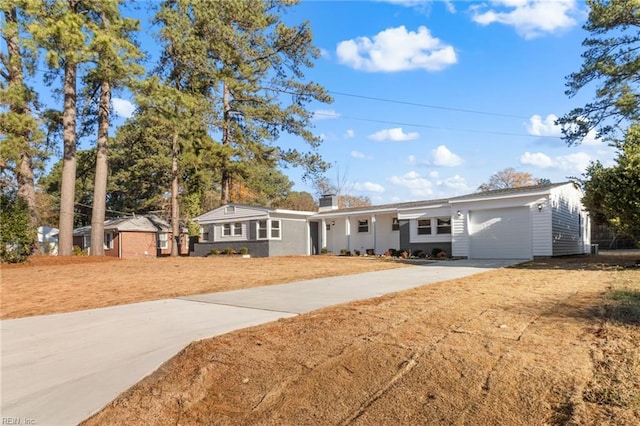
[539, 207]
[333, 223]
[459, 213]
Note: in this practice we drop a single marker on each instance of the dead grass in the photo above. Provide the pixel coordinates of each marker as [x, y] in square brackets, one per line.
[49, 284]
[551, 342]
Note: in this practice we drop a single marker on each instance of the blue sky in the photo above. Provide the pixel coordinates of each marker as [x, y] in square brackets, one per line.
[432, 97]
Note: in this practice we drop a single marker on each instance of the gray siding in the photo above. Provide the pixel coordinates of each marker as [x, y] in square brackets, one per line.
[256, 248]
[294, 239]
[405, 244]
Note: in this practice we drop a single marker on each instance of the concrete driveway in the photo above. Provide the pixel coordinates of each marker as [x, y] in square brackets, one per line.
[60, 369]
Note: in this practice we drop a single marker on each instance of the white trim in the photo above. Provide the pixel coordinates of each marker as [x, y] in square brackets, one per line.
[162, 243]
[503, 197]
[271, 229]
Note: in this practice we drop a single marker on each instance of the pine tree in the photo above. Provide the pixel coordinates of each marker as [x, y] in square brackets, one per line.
[61, 28]
[117, 59]
[249, 64]
[22, 142]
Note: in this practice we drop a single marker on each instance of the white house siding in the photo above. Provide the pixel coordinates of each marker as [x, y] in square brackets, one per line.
[569, 223]
[541, 227]
[462, 233]
[337, 238]
[386, 238]
[361, 240]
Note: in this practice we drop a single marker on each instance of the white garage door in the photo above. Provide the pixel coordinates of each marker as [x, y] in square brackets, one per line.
[500, 234]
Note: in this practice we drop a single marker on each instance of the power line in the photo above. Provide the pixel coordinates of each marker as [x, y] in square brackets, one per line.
[394, 101]
[426, 126]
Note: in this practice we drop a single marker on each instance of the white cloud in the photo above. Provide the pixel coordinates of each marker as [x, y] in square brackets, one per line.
[396, 49]
[443, 157]
[394, 135]
[324, 53]
[418, 186]
[530, 18]
[325, 114]
[547, 127]
[577, 162]
[349, 134]
[360, 155]
[456, 182]
[537, 159]
[369, 187]
[574, 163]
[544, 127]
[123, 107]
[434, 174]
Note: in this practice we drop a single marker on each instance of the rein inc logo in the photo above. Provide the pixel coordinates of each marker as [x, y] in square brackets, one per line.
[17, 421]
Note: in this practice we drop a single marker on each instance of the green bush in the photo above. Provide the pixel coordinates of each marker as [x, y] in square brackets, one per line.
[324, 250]
[17, 236]
[435, 252]
[215, 252]
[244, 250]
[77, 251]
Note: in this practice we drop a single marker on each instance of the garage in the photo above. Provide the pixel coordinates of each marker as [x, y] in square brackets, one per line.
[500, 233]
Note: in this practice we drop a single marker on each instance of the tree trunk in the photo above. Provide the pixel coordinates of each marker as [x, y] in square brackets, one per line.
[68, 185]
[24, 166]
[100, 183]
[225, 184]
[175, 214]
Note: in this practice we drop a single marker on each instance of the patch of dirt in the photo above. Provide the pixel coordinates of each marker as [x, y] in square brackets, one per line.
[536, 344]
[52, 284]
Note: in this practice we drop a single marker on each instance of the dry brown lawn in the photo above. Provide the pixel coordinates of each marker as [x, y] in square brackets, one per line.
[49, 284]
[548, 342]
[554, 342]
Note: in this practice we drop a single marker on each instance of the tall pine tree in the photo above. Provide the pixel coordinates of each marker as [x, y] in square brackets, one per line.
[22, 142]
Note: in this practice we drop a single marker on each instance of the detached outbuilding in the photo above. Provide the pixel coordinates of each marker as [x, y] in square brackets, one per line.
[134, 237]
[515, 223]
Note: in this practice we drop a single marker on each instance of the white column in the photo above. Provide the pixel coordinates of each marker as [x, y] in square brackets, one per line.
[373, 230]
[323, 234]
[347, 231]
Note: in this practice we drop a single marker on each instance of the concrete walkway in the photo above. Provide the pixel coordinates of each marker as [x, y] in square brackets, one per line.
[60, 369]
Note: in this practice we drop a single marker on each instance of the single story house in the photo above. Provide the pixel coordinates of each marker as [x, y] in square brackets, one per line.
[518, 223]
[134, 237]
[262, 230]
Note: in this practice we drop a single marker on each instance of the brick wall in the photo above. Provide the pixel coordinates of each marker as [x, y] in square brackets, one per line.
[138, 244]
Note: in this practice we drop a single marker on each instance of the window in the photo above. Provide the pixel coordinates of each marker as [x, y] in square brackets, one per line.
[328, 227]
[108, 240]
[275, 229]
[230, 209]
[163, 240]
[424, 226]
[395, 224]
[363, 225]
[204, 235]
[444, 225]
[232, 229]
[262, 230]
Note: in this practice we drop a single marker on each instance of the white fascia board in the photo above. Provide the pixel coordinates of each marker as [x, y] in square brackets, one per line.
[426, 211]
[355, 213]
[503, 197]
[292, 212]
[231, 219]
